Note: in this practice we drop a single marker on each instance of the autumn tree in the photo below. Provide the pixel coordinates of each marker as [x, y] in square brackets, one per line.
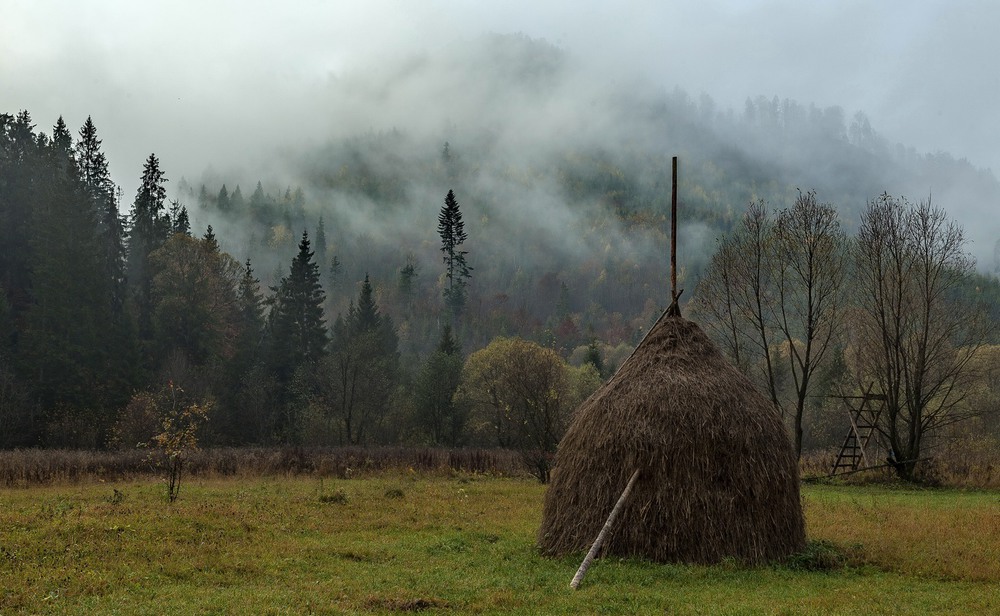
[915, 336]
[194, 300]
[522, 396]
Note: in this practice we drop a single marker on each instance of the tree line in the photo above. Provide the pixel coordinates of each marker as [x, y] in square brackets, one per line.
[104, 315]
[809, 312]
[115, 326]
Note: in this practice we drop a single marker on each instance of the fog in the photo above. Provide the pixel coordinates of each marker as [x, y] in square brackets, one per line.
[247, 89]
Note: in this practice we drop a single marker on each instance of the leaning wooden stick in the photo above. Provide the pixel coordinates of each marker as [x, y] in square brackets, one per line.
[582, 571]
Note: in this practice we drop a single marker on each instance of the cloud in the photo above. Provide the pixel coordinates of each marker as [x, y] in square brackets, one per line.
[228, 84]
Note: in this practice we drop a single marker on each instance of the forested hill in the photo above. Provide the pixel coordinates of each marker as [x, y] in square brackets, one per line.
[564, 183]
[250, 290]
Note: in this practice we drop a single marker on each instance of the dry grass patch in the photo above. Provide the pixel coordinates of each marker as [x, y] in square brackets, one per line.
[945, 534]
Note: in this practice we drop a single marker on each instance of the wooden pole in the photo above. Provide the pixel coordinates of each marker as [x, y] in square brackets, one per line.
[674, 310]
[582, 571]
[673, 231]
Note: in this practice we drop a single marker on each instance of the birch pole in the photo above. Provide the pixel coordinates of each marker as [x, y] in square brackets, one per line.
[601, 536]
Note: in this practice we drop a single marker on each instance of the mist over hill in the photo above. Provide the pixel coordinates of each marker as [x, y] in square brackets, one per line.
[563, 175]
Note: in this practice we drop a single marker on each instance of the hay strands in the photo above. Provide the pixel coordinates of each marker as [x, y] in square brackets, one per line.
[589, 558]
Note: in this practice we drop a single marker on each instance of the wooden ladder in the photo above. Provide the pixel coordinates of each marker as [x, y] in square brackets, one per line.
[864, 425]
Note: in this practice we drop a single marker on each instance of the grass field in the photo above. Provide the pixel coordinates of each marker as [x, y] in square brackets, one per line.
[461, 544]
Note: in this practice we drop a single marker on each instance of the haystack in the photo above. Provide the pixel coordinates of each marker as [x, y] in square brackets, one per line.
[718, 475]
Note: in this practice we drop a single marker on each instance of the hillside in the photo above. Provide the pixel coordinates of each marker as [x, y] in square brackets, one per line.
[563, 180]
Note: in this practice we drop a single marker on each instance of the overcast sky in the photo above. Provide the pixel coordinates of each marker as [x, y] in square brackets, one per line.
[201, 83]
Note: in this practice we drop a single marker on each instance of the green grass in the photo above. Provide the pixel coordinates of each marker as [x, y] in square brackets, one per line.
[460, 545]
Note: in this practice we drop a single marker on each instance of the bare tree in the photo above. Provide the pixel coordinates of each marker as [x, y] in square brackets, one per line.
[778, 283]
[735, 295]
[714, 302]
[812, 260]
[916, 336]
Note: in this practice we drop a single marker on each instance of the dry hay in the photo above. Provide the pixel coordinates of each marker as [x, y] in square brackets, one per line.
[718, 478]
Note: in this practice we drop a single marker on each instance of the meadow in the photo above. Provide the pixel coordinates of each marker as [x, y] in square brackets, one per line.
[458, 543]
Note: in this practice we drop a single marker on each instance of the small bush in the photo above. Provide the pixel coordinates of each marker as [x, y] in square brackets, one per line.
[336, 498]
[818, 556]
[394, 493]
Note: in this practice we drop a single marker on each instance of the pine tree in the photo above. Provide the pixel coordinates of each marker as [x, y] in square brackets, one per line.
[63, 337]
[439, 416]
[335, 269]
[246, 373]
[250, 307]
[320, 244]
[453, 235]
[298, 331]
[179, 221]
[18, 156]
[258, 204]
[149, 230]
[407, 275]
[365, 316]
[92, 167]
[204, 199]
[211, 244]
[236, 201]
[62, 142]
[222, 201]
[362, 369]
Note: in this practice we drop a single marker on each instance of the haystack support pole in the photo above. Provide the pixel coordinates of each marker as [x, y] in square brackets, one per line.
[601, 536]
[673, 231]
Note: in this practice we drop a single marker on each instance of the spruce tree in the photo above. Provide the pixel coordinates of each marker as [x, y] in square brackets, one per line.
[63, 337]
[211, 244]
[362, 370]
[259, 204]
[18, 156]
[62, 142]
[250, 309]
[407, 277]
[179, 220]
[439, 416]
[453, 235]
[236, 202]
[92, 166]
[298, 331]
[365, 316]
[320, 243]
[245, 370]
[149, 230]
[222, 202]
